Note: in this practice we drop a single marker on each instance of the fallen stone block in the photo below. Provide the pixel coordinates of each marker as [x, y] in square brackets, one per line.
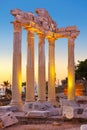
[38, 114]
[43, 107]
[8, 119]
[83, 127]
[1, 124]
[8, 108]
[72, 112]
[55, 111]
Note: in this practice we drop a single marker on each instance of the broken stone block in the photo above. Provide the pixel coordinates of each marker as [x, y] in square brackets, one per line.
[72, 112]
[83, 127]
[1, 124]
[38, 114]
[8, 119]
[68, 112]
[8, 108]
[44, 107]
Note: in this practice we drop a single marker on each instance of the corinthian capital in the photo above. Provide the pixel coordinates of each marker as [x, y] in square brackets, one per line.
[41, 35]
[51, 40]
[71, 41]
[17, 26]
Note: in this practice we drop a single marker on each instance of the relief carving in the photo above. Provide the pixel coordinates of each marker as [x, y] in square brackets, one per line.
[42, 23]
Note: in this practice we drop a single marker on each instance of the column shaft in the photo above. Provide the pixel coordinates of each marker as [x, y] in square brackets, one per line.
[30, 68]
[16, 74]
[41, 69]
[71, 70]
[51, 71]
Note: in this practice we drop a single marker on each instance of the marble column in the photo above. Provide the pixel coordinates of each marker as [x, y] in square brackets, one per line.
[41, 68]
[51, 71]
[16, 74]
[71, 70]
[30, 67]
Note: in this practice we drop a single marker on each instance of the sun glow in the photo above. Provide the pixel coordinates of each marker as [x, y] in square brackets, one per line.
[20, 82]
[71, 86]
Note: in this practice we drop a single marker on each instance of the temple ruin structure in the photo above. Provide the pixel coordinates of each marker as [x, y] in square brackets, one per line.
[43, 25]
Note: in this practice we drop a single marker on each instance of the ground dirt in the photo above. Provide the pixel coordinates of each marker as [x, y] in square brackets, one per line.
[62, 125]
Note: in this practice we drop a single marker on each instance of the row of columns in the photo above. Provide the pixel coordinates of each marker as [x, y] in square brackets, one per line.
[16, 75]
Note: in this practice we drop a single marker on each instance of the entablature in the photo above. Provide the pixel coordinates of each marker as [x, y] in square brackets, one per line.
[44, 24]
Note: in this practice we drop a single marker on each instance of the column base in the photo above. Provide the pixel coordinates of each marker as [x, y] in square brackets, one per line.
[30, 100]
[41, 100]
[71, 98]
[19, 104]
[53, 102]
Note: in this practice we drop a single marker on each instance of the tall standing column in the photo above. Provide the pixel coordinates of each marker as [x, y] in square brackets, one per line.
[30, 67]
[51, 71]
[16, 75]
[41, 69]
[71, 70]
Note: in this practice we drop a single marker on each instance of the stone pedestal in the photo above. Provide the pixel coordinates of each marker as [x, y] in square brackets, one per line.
[41, 68]
[51, 71]
[16, 74]
[30, 67]
[71, 70]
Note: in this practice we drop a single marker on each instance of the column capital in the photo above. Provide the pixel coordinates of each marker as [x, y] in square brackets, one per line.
[29, 30]
[75, 34]
[41, 35]
[30, 34]
[51, 40]
[71, 41]
[17, 26]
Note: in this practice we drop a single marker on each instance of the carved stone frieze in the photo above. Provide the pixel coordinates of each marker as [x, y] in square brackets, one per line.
[42, 23]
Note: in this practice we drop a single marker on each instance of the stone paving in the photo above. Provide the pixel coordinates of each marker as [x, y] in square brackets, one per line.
[53, 126]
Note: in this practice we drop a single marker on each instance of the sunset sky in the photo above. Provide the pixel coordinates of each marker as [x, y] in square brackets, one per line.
[64, 12]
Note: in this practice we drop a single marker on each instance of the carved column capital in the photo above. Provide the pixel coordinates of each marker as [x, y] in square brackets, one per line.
[51, 40]
[75, 34]
[71, 41]
[41, 36]
[30, 36]
[17, 26]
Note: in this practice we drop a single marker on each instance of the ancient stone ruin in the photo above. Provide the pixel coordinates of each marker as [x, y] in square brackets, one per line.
[44, 26]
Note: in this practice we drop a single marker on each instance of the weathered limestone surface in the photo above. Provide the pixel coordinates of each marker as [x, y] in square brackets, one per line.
[51, 71]
[8, 119]
[83, 127]
[41, 68]
[35, 108]
[16, 75]
[71, 70]
[30, 67]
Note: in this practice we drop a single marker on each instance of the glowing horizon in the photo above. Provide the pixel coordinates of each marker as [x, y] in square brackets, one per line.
[65, 13]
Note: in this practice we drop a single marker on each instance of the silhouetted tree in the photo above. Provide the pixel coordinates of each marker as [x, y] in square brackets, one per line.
[81, 73]
[81, 70]
[6, 83]
[23, 83]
